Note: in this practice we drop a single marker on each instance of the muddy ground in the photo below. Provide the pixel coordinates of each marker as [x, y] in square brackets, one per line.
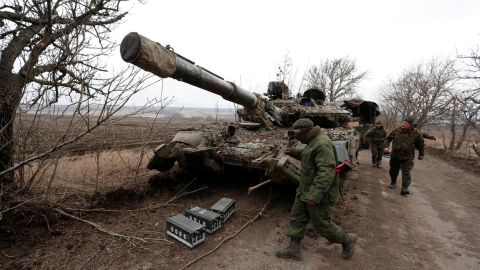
[435, 227]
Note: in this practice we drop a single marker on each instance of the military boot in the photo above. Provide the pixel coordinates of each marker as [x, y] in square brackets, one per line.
[405, 189]
[293, 251]
[379, 163]
[348, 245]
[393, 183]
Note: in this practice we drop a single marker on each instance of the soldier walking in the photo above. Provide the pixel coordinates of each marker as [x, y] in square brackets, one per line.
[318, 190]
[405, 140]
[376, 136]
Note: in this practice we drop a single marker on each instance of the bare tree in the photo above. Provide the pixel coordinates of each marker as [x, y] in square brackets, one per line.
[472, 73]
[338, 78]
[52, 51]
[467, 115]
[423, 91]
[390, 112]
[285, 72]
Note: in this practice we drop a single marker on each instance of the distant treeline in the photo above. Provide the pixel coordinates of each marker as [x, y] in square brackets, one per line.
[209, 118]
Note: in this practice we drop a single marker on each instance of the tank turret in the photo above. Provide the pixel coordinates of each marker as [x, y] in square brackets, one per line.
[256, 143]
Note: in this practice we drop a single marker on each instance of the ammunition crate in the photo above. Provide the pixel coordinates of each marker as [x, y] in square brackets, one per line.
[224, 207]
[211, 220]
[185, 230]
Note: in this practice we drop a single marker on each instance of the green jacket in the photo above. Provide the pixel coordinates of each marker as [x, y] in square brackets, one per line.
[318, 181]
[405, 141]
[376, 136]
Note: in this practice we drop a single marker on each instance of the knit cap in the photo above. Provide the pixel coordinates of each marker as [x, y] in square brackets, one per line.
[378, 121]
[409, 120]
[302, 123]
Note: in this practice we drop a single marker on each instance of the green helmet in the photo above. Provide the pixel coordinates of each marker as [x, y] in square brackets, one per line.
[378, 121]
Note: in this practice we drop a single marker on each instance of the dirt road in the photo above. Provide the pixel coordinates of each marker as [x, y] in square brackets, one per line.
[437, 226]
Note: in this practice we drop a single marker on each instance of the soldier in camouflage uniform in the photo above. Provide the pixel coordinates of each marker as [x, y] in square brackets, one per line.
[376, 136]
[318, 190]
[405, 140]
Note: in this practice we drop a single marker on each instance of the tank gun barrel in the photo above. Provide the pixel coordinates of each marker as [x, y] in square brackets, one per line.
[163, 62]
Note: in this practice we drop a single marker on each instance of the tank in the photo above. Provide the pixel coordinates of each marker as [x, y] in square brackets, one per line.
[364, 114]
[257, 142]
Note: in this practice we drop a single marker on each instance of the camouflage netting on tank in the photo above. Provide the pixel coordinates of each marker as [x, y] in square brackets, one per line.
[327, 114]
[293, 105]
[338, 134]
[256, 114]
[248, 145]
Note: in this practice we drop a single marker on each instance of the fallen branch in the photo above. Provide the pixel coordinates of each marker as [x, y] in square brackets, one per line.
[8, 256]
[98, 227]
[18, 205]
[261, 213]
[250, 189]
[48, 224]
[92, 257]
[92, 210]
[178, 195]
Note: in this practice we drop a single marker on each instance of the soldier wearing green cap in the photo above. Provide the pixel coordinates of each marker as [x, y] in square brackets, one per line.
[318, 190]
[376, 136]
[405, 140]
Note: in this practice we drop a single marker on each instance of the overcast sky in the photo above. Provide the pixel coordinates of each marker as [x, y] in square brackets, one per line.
[244, 41]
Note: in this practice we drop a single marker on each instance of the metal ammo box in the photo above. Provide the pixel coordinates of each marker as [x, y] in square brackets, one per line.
[225, 207]
[211, 220]
[185, 230]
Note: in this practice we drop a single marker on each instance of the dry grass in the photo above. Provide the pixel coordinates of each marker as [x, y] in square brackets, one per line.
[443, 140]
[78, 174]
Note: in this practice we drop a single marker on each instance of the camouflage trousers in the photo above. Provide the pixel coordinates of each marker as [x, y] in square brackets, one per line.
[321, 216]
[377, 153]
[406, 165]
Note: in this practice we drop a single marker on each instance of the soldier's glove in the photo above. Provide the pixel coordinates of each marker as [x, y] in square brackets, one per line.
[433, 138]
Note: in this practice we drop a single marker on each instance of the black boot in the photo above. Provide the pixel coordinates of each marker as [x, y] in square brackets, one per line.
[405, 189]
[393, 183]
[293, 251]
[374, 162]
[379, 163]
[348, 245]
